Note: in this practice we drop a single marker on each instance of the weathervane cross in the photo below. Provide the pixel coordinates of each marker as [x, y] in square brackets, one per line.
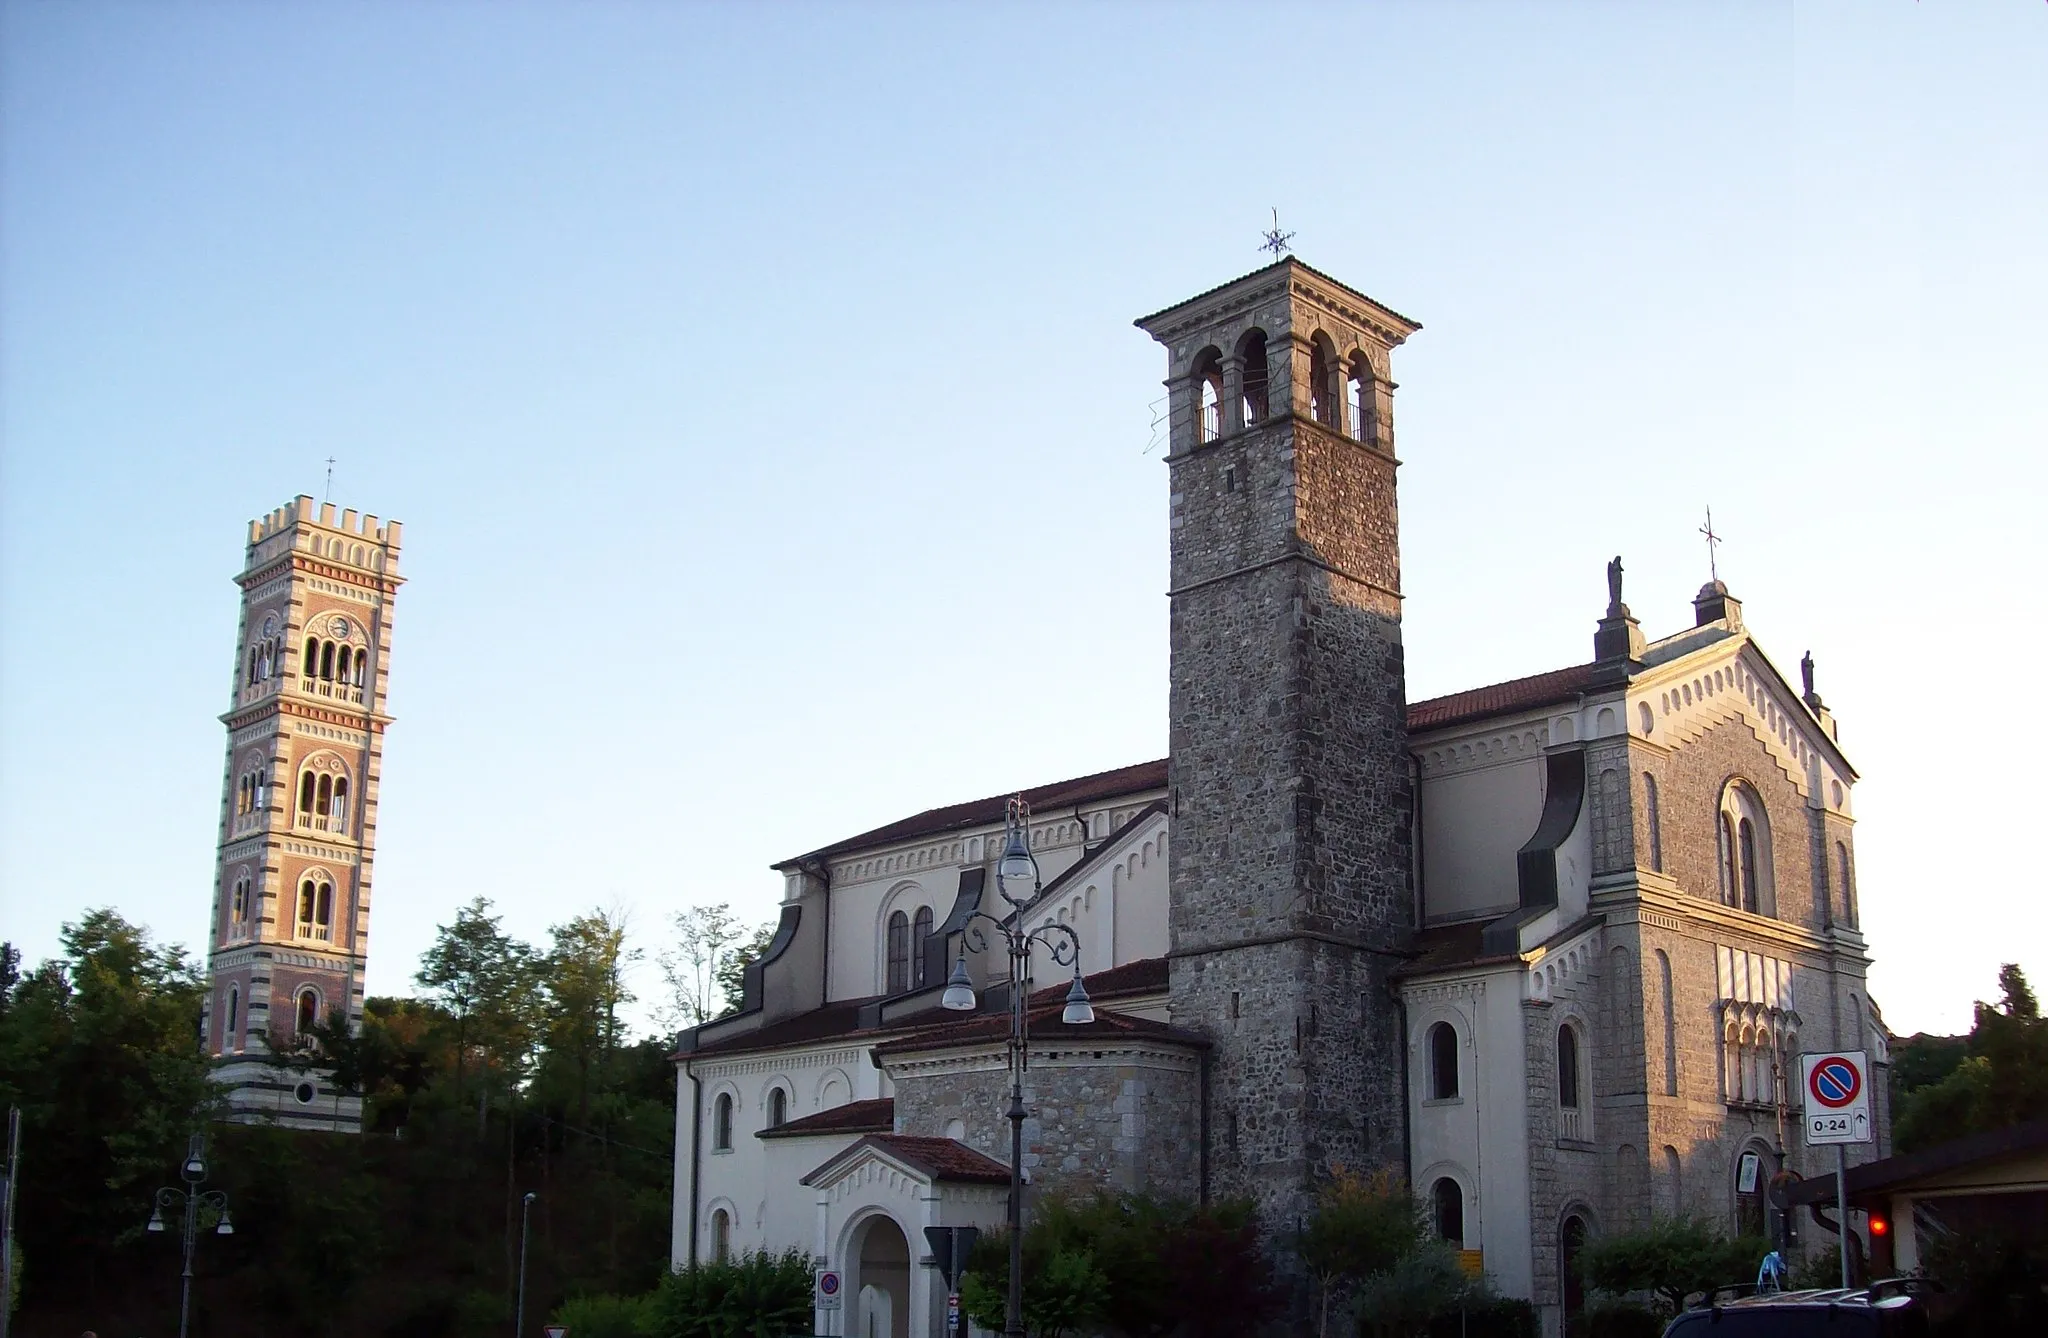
[1713, 571]
[1276, 240]
[328, 496]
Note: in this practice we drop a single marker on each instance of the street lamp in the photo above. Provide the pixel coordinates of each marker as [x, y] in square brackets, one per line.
[191, 1198]
[519, 1311]
[1063, 945]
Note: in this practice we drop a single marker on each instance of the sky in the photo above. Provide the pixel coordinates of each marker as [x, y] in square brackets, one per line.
[742, 372]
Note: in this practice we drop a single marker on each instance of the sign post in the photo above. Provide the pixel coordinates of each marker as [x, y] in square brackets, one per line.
[1838, 1113]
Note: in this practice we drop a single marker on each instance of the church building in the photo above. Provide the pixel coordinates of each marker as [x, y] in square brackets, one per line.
[1548, 947]
[289, 935]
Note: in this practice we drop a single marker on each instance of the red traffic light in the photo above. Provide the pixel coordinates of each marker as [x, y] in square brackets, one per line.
[1878, 1225]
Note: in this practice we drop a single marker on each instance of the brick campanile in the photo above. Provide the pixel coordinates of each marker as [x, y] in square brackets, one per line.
[1291, 800]
[298, 829]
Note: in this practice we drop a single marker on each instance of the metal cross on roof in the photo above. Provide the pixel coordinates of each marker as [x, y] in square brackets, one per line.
[1276, 240]
[328, 496]
[1713, 572]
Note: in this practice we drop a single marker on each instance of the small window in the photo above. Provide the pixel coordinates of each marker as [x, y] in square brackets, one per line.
[721, 1235]
[227, 1040]
[1208, 374]
[1449, 1202]
[1358, 390]
[1443, 1061]
[1567, 1068]
[920, 931]
[1253, 407]
[778, 1107]
[1656, 822]
[306, 784]
[1745, 837]
[899, 954]
[1322, 384]
[308, 1011]
[721, 1123]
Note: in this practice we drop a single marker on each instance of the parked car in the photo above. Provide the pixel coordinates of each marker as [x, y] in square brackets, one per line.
[1895, 1308]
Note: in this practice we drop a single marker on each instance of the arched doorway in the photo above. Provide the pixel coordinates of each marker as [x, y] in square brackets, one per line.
[1571, 1238]
[880, 1284]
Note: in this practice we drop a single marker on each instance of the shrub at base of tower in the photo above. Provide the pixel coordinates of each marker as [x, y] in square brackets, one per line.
[1130, 1265]
[1362, 1226]
[1673, 1258]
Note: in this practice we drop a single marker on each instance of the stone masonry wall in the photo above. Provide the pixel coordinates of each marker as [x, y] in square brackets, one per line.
[1121, 1122]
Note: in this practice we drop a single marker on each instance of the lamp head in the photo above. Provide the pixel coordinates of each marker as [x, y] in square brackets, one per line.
[194, 1168]
[156, 1220]
[959, 995]
[1017, 865]
[1078, 1011]
[226, 1227]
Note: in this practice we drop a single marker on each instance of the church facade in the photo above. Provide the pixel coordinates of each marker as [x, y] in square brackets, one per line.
[290, 925]
[1548, 946]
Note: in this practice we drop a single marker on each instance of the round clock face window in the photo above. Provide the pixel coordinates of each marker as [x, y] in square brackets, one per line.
[341, 628]
[270, 625]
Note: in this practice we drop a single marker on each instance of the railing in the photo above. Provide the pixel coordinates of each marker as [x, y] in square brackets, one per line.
[249, 822]
[1570, 1123]
[258, 690]
[314, 822]
[322, 687]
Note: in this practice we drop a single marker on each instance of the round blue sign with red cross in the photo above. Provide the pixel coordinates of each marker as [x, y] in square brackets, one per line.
[1834, 1082]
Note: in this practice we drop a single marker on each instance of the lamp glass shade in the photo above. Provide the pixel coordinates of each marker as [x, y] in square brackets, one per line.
[226, 1228]
[194, 1169]
[156, 1220]
[1078, 1010]
[959, 995]
[1017, 866]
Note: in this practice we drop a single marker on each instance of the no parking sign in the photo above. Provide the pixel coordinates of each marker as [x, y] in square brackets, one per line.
[1837, 1091]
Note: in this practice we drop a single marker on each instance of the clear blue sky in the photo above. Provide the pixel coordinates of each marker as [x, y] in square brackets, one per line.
[736, 368]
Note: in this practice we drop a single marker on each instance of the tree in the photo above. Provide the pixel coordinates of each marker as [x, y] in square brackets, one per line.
[487, 980]
[1361, 1226]
[1672, 1258]
[2002, 1078]
[690, 968]
[585, 988]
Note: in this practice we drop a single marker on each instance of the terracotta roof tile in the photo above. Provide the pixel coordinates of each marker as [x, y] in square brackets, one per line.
[939, 1158]
[855, 1117]
[1517, 694]
[1045, 1027]
[1147, 976]
[982, 812]
[841, 1018]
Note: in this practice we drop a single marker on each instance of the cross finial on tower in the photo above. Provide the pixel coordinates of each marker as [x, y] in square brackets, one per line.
[328, 495]
[1276, 240]
[1713, 570]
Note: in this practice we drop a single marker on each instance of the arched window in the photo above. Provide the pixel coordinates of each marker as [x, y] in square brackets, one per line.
[323, 799]
[1322, 383]
[1208, 374]
[1358, 389]
[721, 1235]
[1570, 1078]
[920, 930]
[309, 663]
[1670, 1024]
[1257, 400]
[316, 908]
[227, 1039]
[1449, 1203]
[721, 1123]
[362, 666]
[1842, 873]
[1752, 1181]
[339, 819]
[1571, 1238]
[778, 1107]
[308, 1011]
[899, 953]
[306, 784]
[1745, 848]
[1656, 822]
[1443, 1061]
[239, 909]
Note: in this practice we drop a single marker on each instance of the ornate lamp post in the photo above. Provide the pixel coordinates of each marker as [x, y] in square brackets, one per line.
[191, 1198]
[1064, 946]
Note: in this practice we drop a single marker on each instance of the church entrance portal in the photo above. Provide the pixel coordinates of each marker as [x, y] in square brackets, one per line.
[881, 1280]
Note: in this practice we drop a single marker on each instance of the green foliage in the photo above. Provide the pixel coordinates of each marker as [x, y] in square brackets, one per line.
[1997, 1278]
[605, 1316]
[1361, 1226]
[1407, 1296]
[1484, 1316]
[758, 1295]
[2002, 1078]
[1166, 1266]
[1672, 1258]
[1817, 1271]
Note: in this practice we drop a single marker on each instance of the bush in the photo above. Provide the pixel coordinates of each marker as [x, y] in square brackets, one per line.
[1673, 1258]
[758, 1295]
[1488, 1317]
[605, 1316]
[1620, 1319]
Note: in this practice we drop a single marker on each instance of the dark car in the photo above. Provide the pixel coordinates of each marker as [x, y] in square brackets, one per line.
[1886, 1310]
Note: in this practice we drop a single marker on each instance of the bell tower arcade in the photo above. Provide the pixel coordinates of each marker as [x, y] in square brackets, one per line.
[1289, 868]
[289, 936]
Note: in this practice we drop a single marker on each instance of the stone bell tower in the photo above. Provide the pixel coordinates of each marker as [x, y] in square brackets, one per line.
[1289, 870]
[298, 829]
